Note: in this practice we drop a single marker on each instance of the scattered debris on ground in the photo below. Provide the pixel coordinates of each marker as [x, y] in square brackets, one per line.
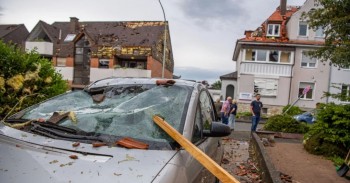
[237, 161]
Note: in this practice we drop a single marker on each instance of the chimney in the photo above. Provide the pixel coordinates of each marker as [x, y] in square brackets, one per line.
[73, 25]
[283, 7]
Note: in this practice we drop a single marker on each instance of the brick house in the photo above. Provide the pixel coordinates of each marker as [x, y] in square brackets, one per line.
[87, 51]
[15, 33]
[272, 61]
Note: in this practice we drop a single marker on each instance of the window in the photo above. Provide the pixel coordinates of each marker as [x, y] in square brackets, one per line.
[319, 32]
[261, 55]
[197, 130]
[268, 56]
[273, 30]
[103, 63]
[250, 55]
[345, 93]
[207, 110]
[303, 28]
[266, 87]
[273, 56]
[285, 57]
[61, 62]
[307, 61]
[69, 37]
[309, 94]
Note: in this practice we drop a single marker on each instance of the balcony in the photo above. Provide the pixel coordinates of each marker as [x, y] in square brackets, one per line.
[42, 47]
[100, 73]
[266, 69]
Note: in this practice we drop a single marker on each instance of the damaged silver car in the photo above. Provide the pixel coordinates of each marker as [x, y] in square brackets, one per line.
[105, 133]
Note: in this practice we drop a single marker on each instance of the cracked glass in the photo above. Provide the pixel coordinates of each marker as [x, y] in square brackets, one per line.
[125, 110]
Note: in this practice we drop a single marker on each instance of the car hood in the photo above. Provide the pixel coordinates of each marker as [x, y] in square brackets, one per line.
[25, 156]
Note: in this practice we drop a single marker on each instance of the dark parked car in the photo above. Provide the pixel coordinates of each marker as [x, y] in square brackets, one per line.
[72, 137]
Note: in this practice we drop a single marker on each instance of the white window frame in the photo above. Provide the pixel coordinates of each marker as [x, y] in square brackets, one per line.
[267, 56]
[313, 90]
[273, 30]
[263, 89]
[347, 92]
[308, 64]
[317, 36]
[103, 60]
[307, 29]
[61, 59]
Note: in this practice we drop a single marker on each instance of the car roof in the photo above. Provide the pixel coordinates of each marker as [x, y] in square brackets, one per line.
[121, 81]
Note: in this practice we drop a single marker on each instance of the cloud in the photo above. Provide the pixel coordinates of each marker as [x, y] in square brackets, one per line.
[200, 74]
[206, 12]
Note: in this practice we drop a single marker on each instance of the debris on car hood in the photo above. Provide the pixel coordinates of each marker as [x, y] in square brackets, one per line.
[131, 143]
[165, 82]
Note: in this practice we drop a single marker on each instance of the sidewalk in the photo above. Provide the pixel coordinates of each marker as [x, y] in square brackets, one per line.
[290, 157]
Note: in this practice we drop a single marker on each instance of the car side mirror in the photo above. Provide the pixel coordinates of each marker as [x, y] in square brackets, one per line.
[217, 130]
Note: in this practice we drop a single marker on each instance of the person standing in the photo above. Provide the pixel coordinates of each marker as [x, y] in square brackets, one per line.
[233, 112]
[255, 109]
[225, 110]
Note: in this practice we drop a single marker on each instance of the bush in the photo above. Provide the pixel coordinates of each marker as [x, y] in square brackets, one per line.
[330, 135]
[26, 79]
[285, 123]
[241, 114]
[294, 110]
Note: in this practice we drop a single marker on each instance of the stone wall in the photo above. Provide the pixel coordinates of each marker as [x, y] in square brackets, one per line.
[268, 110]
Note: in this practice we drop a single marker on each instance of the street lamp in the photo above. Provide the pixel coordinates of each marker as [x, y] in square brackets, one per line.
[164, 41]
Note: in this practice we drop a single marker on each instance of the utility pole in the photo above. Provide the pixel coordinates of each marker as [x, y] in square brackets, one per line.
[164, 40]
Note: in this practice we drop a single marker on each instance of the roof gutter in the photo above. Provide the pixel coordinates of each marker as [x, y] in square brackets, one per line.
[280, 44]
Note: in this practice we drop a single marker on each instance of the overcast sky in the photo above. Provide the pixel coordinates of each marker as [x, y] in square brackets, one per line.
[203, 32]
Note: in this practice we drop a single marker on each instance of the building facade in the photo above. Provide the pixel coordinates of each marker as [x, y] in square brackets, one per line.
[84, 52]
[273, 61]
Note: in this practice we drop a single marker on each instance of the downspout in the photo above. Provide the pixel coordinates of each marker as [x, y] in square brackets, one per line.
[329, 82]
[291, 77]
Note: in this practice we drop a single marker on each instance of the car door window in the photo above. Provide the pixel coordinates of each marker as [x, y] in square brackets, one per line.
[197, 129]
[206, 110]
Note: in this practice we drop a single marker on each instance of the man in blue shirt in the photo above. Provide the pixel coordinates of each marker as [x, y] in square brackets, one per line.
[255, 109]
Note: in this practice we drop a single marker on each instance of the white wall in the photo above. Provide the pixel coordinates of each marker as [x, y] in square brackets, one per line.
[67, 72]
[100, 73]
[43, 48]
[224, 84]
[338, 77]
[293, 24]
[319, 76]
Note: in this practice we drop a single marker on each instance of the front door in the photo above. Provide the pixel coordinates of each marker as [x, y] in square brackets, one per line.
[82, 62]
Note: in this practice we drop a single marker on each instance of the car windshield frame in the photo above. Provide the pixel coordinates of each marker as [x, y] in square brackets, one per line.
[178, 96]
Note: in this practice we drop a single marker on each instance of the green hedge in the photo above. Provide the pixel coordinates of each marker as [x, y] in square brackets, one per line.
[294, 110]
[26, 79]
[285, 123]
[330, 135]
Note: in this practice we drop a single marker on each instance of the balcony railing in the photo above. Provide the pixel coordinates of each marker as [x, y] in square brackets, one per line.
[42, 47]
[266, 69]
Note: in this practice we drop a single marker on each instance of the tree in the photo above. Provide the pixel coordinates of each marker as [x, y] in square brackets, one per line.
[216, 85]
[334, 17]
[26, 79]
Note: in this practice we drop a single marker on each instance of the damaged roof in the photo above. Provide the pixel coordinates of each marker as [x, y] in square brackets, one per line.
[136, 33]
[8, 28]
[260, 34]
[229, 76]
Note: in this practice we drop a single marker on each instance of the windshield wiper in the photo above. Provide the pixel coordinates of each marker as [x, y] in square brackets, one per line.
[15, 120]
[59, 132]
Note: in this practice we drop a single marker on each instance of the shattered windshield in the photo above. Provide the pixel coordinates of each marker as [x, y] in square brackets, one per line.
[123, 110]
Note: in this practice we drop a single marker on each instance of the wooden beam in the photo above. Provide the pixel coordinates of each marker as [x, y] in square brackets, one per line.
[199, 155]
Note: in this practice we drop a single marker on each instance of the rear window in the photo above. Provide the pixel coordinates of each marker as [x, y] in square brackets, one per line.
[124, 111]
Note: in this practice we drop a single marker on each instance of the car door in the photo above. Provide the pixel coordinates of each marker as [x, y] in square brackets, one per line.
[205, 115]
